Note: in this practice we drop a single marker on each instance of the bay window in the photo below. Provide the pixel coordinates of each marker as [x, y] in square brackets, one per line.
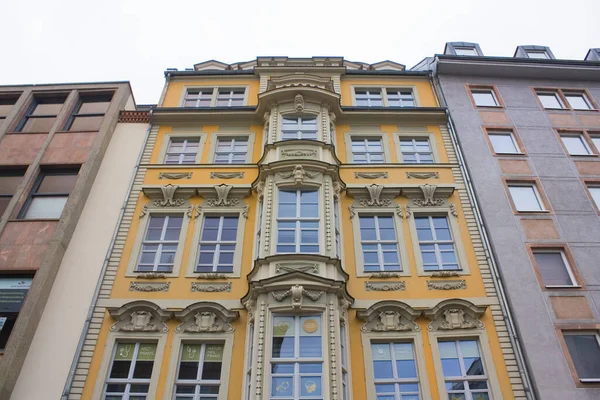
[298, 221]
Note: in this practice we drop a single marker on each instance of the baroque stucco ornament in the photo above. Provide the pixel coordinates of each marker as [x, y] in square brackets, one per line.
[205, 317]
[299, 103]
[389, 316]
[299, 174]
[222, 197]
[455, 314]
[226, 175]
[297, 292]
[139, 316]
[371, 175]
[175, 175]
[211, 287]
[385, 286]
[428, 200]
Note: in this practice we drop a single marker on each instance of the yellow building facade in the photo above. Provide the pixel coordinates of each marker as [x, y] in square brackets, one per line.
[298, 229]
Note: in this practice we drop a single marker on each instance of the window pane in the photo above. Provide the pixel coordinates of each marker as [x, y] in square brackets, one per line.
[86, 123]
[578, 101]
[537, 54]
[48, 106]
[9, 183]
[94, 105]
[595, 192]
[585, 353]
[503, 143]
[484, 98]
[62, 183]
[38, 124]
[465, 51]
[525, 198]
[575, 145]
[549, 100]
[552, 268]
[46, 207]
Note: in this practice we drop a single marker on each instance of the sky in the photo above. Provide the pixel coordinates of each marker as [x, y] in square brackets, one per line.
[111, 40]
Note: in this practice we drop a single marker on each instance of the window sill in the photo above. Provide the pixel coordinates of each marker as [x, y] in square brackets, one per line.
[584, 155]
[26, 133]
[529, 212]
[590, 380]
[489, 107]
[563, 286]
[32, 219]
[78, 131]
[510, 154]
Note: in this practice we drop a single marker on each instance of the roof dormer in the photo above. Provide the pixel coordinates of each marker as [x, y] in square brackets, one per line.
[535, 52]
[593, 55]
[462, 49]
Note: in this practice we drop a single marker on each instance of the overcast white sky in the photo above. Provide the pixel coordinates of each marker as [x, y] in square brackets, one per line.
[46, 41]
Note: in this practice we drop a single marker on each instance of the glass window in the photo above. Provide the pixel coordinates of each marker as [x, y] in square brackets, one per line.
[578, 101]
[160, 243]
[436, 243]
[199, 371]
[9, 181]
[182, 150]
[554, 268]
[6, 104]
[484, 98]
[463, 370]
[367, 150]
[198, 97]
[297, 358]
[575, 145]
[503, 142]
[230, 97]
[465, 51]
[416, 151]
[344, 357]
[336, 217]
[400, 97]
[525, 198]
[550, 100]
[130, 371]
[89, 113]
[49, 195]
[379, 243]
[584, 349]
[231, 150]
[596, 141]
[14, 290]
[249, 362]
[538, 54]
[217, 243]
[299, 128]
[41, 114]
[298, 221]
[368, 97]
[395, 371]
[595, 192]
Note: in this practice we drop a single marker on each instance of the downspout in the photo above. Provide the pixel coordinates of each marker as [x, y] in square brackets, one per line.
[88, 319]
[515, 341]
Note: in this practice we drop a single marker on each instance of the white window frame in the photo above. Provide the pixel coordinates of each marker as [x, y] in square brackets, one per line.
[231, 133]
[247, 392]
[384, 94]
[181, 134]
[416, 153]
[370, 96]
[481, 90]
[508, 133]
[141, 233]
[181, 155]
[345, 376]
[365, 133]
[300, 132]
[535, 192]
[298, 219]
[595, 137]
[420, 135]
[108, 352]
[215, 91]
[198, 227]
[219, 242]
[583, 95]
[379, 242]
[437, 242]
[180, 339]
[397, 337]
[160, 243]
[585, 332]
[485, 352]
[459, 247]
[574, 283]
[366, 151]
[297, 360]
[230, 97]
[400, 237]
[550, 93]
[581, 137]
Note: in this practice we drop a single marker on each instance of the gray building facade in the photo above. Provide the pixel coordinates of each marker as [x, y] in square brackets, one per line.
[528, 127]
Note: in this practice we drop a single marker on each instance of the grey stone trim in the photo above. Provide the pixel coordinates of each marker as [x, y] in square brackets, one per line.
[211, 287]
[385, 286]
[149, 286]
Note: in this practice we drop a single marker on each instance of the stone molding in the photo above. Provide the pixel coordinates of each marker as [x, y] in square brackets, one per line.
[385, 286]
[384, 275]
[389, 316]
[212, 276]
[309, 268]
[371, 175]
[226, 175]
[205, 317]
[299, 153]
[422, 175]
[139, 316]
[175, 175]
[297, 292]
[149, 286]
[211, 287]
[455, 314]
[447, 285]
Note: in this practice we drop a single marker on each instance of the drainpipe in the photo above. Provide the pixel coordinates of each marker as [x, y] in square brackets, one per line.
[515, 341]
[88, 319]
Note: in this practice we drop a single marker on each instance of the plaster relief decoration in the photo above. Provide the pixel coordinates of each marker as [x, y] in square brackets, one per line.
[211, 276]
[151, 275]
[299, 153]
[374, 197]
[250, 307]
[309, 268]
[385, 286]
[222, 197]
[139, 316]
[428, 200]
[444, 274]
[299, 103]
[174, 175]
[211, 287]
[149, 286]
[384, 275]
[344, 304]
[205, 317]
[297, 293]
[165, 196]
[299, 174]
[446, 285]
[226, 175]
[389, 316]
[371, 175]
[423, 175]
[454, 314]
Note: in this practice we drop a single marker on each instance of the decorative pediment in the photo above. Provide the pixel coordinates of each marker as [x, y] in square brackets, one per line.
[455, 314]
[167, 196]
[300, 80]
[389, 316]
[139, 316]
[205, 317]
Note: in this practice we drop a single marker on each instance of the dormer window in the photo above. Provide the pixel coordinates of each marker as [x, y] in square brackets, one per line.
[214, 97]
[299, 127]
[538, 54]
[465, 51]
